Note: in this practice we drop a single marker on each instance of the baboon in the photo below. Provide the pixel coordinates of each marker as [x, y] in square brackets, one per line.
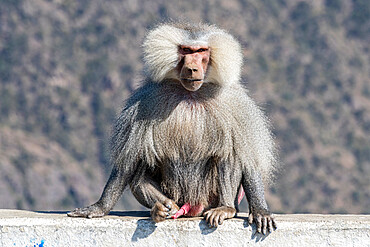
[191, 134]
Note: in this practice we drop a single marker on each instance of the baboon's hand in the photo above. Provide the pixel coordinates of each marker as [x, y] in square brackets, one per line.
[216, 216]
[264, 220]
[92, 211]
[162, 211]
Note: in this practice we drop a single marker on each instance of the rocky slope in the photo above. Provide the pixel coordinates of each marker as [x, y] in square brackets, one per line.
[67, 66]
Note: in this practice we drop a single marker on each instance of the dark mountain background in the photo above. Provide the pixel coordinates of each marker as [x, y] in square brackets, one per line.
[66, 68]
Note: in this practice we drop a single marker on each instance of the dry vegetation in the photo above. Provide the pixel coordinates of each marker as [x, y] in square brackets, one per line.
[67, 66]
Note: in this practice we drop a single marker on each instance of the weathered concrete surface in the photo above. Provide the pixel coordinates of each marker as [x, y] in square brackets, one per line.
[24, 228]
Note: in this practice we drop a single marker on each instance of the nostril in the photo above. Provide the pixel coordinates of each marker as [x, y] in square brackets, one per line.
[191, 70]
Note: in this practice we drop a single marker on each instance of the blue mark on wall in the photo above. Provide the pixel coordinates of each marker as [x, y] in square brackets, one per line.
[41, 244]
[35, 243]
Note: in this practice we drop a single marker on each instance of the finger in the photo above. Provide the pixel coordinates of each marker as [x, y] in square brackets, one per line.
[173, 212]
[157, 218]
[158, 215]
[162, 214]
[161, 207]
[73, 213]
[273, 223]
[250, 218]
[168, 215]
[164, 208]
[78, 212]
[264, 225]
[270, 225]
[171, 206]
[259, 223]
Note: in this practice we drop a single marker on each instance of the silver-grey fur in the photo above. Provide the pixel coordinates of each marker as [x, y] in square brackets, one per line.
[193, 147]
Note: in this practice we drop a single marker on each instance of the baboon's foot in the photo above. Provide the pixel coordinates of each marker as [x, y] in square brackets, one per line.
[216, 216]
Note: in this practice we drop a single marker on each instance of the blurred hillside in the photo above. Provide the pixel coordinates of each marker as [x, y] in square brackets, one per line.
[67, 66]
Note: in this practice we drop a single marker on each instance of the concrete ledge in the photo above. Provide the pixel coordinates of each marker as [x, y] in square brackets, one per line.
[43, 229]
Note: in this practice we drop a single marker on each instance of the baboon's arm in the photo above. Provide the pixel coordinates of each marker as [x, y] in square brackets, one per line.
[147, 191]
[258, 209]
[112, 192]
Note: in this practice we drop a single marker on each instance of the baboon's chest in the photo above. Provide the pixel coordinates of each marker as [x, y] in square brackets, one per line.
[187, 134]
[191, 133]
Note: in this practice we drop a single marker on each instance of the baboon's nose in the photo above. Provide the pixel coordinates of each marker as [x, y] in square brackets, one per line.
[192, 70]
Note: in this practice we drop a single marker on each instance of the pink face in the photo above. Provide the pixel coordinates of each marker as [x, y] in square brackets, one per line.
[193, 65]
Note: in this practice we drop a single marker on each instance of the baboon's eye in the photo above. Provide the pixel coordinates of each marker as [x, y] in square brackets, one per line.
[187, 50]
[202, 49]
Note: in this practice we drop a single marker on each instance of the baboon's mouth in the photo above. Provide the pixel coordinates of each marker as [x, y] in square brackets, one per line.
[190, 80]
[191, 84]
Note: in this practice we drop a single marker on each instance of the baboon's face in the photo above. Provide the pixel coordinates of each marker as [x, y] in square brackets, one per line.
[193, 66]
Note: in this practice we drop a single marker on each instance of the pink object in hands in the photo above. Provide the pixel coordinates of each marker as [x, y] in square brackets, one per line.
[182, 211]
[196, 209]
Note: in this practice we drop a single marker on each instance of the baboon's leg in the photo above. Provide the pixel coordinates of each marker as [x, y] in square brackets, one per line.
[228, 183]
